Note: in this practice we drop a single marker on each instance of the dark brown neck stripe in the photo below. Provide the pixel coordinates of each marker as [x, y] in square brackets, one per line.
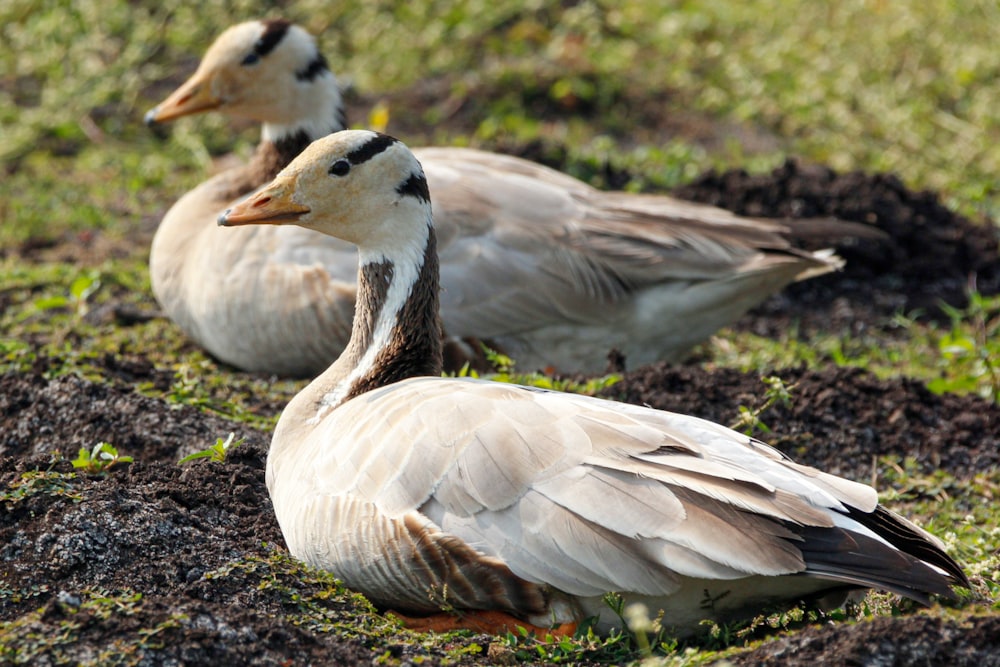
[414, 349]
[270, 158]
[373, 280]
[273, 156]
[289, 146]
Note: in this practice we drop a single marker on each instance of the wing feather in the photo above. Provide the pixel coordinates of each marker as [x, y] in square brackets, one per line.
[582, 494]
[548, 249]
[474, 478]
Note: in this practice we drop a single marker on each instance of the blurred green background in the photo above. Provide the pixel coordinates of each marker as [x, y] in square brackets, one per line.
[664, 89]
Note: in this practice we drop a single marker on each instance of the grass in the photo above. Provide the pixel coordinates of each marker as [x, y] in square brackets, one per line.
[963, 513]
[217, 452]
[40, 482]
[908, 87]
[85, 614]
[875, 85]
[960, 357]
[315, 598]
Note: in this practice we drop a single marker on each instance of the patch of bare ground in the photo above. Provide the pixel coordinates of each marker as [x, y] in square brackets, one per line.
[930, 254]
[917, 640]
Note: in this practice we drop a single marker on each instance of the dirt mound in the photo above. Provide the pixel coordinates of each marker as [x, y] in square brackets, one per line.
[183, 555]
[930, 254]
[918, 640]
[39, 416]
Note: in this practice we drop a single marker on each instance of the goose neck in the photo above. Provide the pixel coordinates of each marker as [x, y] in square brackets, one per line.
[274, 155]
[396, 333]
[315, 109]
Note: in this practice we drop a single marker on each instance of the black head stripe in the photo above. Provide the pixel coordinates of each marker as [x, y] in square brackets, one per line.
[415, 186]
[371, 148]
[316, 67]
[274, 32]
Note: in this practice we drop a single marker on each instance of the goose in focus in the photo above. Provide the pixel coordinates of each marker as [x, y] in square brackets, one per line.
[510, 505]
[534, 263]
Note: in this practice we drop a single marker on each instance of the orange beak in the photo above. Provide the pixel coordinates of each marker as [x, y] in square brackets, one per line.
[273, 206]
[194, 96]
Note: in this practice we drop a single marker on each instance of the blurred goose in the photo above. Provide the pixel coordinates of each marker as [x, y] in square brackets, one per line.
[536, 264]
[511, 505]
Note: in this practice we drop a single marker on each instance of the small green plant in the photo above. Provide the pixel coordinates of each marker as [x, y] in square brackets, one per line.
[81, 289]
[21, 594]
[640, 624]
[186, 388]
[584, 645]
[216, 452]
[749, 418]
[100, 459]
[41, 482]
[102, 603]
[970, 351]
[504, 372]
[77, 297]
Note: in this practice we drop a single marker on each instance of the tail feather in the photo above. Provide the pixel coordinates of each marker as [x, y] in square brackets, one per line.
[911, 539]
[831, 230]
[906, 560]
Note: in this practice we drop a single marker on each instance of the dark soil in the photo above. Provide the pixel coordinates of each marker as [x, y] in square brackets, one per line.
[200, 544]
[916, 640]
[930, 254]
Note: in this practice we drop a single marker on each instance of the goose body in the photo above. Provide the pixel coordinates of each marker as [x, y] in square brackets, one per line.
[534, 263]
[425, 492]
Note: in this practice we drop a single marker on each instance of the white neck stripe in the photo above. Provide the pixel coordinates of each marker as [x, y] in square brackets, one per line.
[406, 267]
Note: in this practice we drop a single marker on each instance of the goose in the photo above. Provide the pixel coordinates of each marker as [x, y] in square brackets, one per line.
[535, 264]
[461, 502]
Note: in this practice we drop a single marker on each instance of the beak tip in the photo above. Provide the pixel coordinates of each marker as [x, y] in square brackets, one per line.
[223, 219]
[150, 118]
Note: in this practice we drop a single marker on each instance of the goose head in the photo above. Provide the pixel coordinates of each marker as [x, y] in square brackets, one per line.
[269, 71]
[360, 186]
[368, 189]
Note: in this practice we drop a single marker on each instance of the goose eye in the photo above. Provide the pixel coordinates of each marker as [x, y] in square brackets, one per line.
[251, 59]
[340, 168]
